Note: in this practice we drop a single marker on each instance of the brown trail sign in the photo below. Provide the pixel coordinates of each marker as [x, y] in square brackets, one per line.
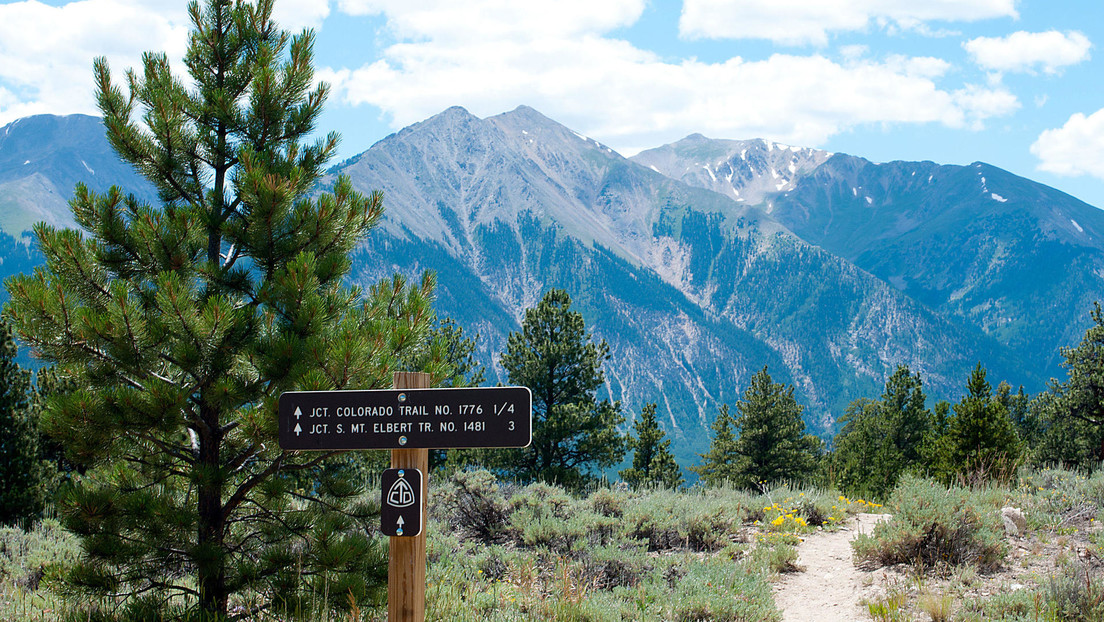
[409, 420]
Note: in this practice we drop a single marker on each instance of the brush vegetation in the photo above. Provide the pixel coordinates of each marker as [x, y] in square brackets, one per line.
[503, 551]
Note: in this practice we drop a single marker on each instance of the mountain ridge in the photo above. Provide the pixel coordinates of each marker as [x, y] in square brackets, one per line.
[798, 261]
[709, 251]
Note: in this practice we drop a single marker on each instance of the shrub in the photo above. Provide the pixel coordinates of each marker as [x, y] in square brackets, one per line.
[545, 516]
[776, 553]
[473, 504]
[935, 528]
[1075, 595]
[667, 520]
[614, 567]
[545, 531]
[608, 502]
[540, 500]
[718, 591]
[1062, 498]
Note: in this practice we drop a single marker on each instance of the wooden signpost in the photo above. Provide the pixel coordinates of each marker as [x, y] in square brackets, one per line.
[409, 419]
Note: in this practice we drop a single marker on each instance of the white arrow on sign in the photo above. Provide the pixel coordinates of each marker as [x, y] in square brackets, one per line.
[298, 413]
[400, 522]
[298, 429]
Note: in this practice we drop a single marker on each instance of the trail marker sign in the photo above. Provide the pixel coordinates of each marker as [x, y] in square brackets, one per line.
[401, 502]
[409, 419]
[406, 418]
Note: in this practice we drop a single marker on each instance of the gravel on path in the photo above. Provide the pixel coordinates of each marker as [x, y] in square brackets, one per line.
[831, 588]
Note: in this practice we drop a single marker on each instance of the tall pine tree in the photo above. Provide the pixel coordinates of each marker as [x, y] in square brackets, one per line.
[180, 324]
[980, 441]
[773, 446]
[880, 440]
[574, 433]
[1070, 414]
[653, 463]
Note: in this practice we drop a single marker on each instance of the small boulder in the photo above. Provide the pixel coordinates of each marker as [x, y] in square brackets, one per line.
[1014, 522]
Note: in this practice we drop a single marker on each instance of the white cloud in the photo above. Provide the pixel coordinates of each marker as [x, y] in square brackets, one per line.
[980, 103]
[295, 15]
[812, 21]
[448, 20]
[1028, 52]
[1076, 148]
[631, 98]
[46, 52]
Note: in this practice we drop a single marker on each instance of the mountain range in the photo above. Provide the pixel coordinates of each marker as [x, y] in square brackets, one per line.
[699, 262]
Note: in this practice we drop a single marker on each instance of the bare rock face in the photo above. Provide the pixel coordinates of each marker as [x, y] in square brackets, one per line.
[693, 288]
[1014, 522]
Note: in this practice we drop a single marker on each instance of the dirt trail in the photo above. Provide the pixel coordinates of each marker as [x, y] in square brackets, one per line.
[830, 588]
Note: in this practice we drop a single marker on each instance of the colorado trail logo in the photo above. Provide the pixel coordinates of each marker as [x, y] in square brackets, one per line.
[401, 494]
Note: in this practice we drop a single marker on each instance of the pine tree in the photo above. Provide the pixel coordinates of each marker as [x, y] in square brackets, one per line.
[573, 432]
[980, 441]
[21, 470]
[881, 440]
[1061, 438]
[653, 464]
[448, 353]
[1071, 413]
[908, 420]
[721, 464]
[180, 324]
[864, 459]
[1018, 406]
[772, 442]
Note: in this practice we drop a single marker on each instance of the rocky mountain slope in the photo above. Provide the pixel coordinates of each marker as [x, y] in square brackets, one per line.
[699, 262]
[43, 157]
[1018, 260]
[694, 290]
[748, 171]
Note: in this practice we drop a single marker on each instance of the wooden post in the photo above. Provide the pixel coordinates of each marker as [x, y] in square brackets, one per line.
[406, 567]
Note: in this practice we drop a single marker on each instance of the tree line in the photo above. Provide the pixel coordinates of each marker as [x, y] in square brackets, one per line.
[761, 442]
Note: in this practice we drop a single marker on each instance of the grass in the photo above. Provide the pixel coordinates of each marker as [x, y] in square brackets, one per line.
[511, 553]
[938, 528]
[27, 561]
[952, 542]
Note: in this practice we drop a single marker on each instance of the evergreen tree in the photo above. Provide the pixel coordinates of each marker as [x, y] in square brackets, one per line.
[1061, 438]
[573, 433]
[1018, 406]
[653, 464]
[179, 325]
[21, 470]
[721, 463]
[865, 460]
[940, 421]
[980, 442]
[1070, 414]
[908, 420]
[772, 444]
[447, 353]
[881, 440]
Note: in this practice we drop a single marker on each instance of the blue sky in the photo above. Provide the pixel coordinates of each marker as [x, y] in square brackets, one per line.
[1015, 83]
